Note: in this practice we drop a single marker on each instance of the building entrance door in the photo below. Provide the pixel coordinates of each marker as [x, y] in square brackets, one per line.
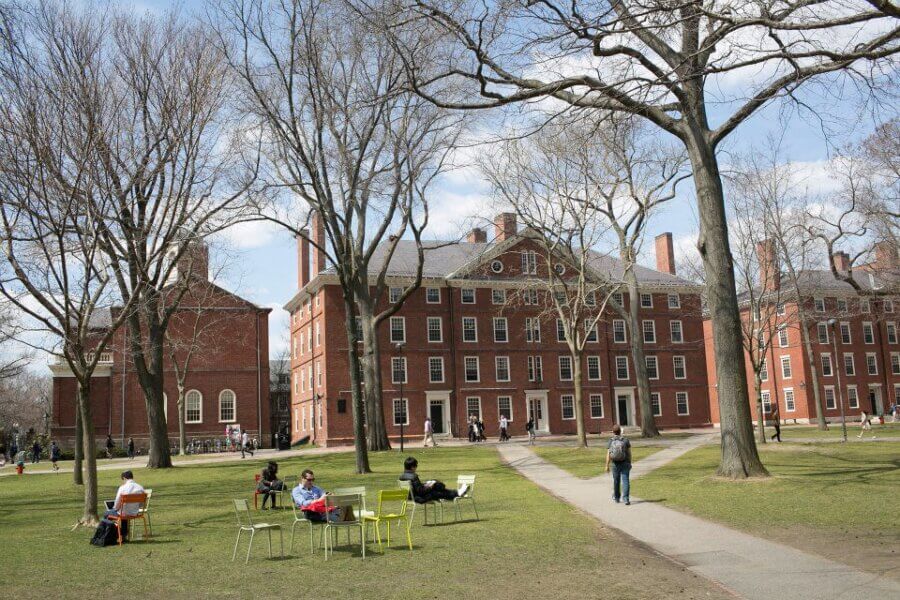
[875, 400]
[622, 402]
[436, 412]
[537, 410]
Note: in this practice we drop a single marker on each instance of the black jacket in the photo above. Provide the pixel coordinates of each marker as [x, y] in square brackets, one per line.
[418, 489]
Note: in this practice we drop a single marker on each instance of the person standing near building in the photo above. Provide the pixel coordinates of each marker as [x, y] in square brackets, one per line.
[504, 426]
[245, 444]
[131, 448]
[429, 433]
[865, 424]
[54, 456]
[776, 421]
[110, 446]
[36, 452]
[529, 427]
[618, 452]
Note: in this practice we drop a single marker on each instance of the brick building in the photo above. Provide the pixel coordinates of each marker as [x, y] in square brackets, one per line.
[467, 351]
[280, 397]
[226, 383]
[853, 334]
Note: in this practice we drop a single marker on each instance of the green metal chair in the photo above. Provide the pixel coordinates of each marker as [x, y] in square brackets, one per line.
[300, 517]
[345, 502]
[392, 506]
[245, 523]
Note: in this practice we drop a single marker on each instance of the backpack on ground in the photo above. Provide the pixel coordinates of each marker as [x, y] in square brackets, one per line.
[106, 534]
[618, 450]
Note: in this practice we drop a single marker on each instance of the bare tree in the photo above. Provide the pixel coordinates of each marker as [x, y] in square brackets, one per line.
[344, 136]
[12, 360]
[26, 402]
[663, 62]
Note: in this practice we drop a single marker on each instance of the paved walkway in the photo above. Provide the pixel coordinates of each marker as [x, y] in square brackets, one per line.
[751, 567]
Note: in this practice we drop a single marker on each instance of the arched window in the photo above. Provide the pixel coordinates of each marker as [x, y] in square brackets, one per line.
[227, 406]
[193, 407]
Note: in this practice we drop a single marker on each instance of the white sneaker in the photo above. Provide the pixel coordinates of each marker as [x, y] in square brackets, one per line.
[462, 491]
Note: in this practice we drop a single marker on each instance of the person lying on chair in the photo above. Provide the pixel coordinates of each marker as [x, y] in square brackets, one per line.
[430, 490]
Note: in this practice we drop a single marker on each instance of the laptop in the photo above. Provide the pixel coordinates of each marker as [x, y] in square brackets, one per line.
[110, 504]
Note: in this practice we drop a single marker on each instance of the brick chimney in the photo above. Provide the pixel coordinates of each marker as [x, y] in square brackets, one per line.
[303, 258]
[665, 253]
[477, 236]
[841, 261]
[318, 238]
[886, 256]
[505, 226]
[195, 261]
[769, 273]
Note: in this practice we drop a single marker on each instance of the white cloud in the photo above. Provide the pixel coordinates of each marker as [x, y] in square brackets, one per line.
[254, 234]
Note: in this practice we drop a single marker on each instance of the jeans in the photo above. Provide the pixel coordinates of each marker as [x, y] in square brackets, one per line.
[620, 473]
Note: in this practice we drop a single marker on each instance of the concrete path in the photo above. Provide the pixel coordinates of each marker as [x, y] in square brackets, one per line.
[751, 567]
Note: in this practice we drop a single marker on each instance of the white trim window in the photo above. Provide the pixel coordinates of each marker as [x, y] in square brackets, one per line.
[656, 404]
[593, 368]
[398, 330]
[398, 369]
[596, 403]
[432, 295]
[530, 297]
[681, 404]
[823, 332]
[567, 402]
[501, 368]
[498, 296]
[620, 335]
[652, 367]
[649, 328]
[535, 368]
[766, 397]
[529, 262]
[394, 294]
[819, 304]
[435, 329]
[786, 370]
[618, 298]
[302, 339]
[674, 301]
[852, 396]
[472, 369]
[504, 407]
[868, 333]
[891, 329]
[319, 373]
[357, 321]
[467, 295]
[679, 367]
[846, 338]
[560, 331]
[193, 407]
[309, 338]
[469, 329]
[782, 336]
[849, 366]
[888, 306]
[501, 333]
[895, 363]
[590, 299]
[830, 402]
[532, 329]
[227, 406]
[780, 310]
[497, 266]
[789, 404]
[842, 305]
[622, 368]
[318, 334]
[646, 300]
[401, 411]
[764, 370]
[871, 363]
[676, 332]
[565, 368]
[473, 406]
[435, 369]
[590, 331]
[827, 370]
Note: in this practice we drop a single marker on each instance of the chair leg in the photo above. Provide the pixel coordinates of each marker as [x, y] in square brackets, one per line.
[389, 534]
[326, 535]
[236, 542]
[250, 546]
[149, 523]
[477, 518]
[119, 529]
[362, 538]
[281, 541]
[269, 531]
[408, 536]
[293, 527]
[144, 519]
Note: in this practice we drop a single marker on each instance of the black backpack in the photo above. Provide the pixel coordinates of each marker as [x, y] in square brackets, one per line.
[106, 535]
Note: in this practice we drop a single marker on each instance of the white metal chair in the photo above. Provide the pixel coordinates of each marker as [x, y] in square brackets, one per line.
[145, 511]
[245, 523]
[468, 480]
[350, 506]
[406, 485]
[360, 490]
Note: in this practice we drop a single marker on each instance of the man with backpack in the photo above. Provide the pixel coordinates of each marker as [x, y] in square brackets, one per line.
[618, 452]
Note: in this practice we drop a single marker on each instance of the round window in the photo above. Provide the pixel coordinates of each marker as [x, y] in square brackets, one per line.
[497, 266]
[559, 268]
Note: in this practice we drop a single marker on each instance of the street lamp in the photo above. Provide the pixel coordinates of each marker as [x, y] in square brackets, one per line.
[399, 346]
[837, 366]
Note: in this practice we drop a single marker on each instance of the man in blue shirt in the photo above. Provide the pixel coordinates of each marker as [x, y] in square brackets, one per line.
[306, 493]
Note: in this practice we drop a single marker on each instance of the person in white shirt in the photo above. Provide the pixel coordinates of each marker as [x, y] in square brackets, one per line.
[429, 433]
[129, 486]
[245, 445]
[504, 426]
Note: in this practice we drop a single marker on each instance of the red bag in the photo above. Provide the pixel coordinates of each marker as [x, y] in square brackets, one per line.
[318, 506]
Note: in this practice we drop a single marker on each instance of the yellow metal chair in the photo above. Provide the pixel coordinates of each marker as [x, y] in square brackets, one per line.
[392, 505]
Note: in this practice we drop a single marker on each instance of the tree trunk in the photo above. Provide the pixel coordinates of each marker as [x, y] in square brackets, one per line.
[378, 437]
[148, 364]
[740, 457]
[182, 437]
[359, 409]
[579, 408]
[648, 423]
[77, 476]
[760, 414]
[89, 513]
[814, 374]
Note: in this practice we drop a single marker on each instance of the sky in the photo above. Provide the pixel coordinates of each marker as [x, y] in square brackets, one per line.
[262, 259]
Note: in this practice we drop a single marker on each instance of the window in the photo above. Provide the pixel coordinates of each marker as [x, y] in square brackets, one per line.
[318, 334]
[786, 372]
[296, 383]
[782, 337]
[655, 404]
[789, 404]
[497, 266]
[895, 363]
[845, 333]
[294, 339]
[676, 332]
[394, 294]
[649, 332]
[868, 334]
[297, 419]
[674, 301]
[646, 301]
[318, 373]
[565, 368]
[871, 363]
[309, 339]
[852, 396]
[819, 304]
[342, 406]
[679, 366]
[830, 403]
[501, 368]
[401, 412]
[504, 407]
[591, 331]
[500, 332]
[532, 329]
[398, 329]
[433, 295]
[529, 262]
[473, 406]
[436, 369]
[560, 331]
[473, 374]
[498, 296]
[888, 306]
[823, 333]
[470, 330]
[891, 332]
[619, 335]
[593, 368]
[849, 367]
[303, 412]
[596, 406]
[652, 367]
[842, 305]
[618, 298]
[318, 299]
[535, 368]
[530, 297]
[681, 403]
[398, 369]
[227, 407]
[568, 407]
[621, 367]
[590, 299]
[559, 268]
[467, 295]
[302, 339]
[359, 332]
[865, 307]
[435, 329]
[826, 366]
[779, 309]
[766, 401]
[193, 407]
[764, 370]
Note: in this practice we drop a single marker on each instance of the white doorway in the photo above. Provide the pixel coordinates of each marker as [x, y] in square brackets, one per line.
[875, 400]
[438, 407]
[537, 410]
[623, 404]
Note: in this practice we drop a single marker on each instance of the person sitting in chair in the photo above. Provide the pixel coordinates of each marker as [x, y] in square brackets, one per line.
[129, 486]
[269, 484]
[430, 490]
[310, 498]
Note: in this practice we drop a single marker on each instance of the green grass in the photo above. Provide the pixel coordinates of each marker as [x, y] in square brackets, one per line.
[586, 462]
[527, 544]
[888, 430]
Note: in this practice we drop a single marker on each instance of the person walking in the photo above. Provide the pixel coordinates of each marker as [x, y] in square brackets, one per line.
[504, 426]
[245, 445]
[865, 424]
[36, 452]
[529, 427]
[618, 453]
[429, 433]
[472, 436]
[110, 446]
[55, 455]
[776, 421]
[131, 448]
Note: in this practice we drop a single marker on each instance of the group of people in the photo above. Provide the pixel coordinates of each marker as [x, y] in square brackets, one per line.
[477, 429]
[111, 446]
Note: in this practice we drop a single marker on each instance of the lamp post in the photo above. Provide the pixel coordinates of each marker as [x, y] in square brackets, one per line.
[837, 366]
[399, 346]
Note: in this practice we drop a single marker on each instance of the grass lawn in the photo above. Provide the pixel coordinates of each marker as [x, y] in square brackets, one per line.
[836, 500]
[527, 543]
[888, 430]
[586, 462]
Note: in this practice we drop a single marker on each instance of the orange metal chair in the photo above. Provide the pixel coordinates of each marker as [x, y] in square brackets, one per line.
[141, 500]
[256, 491]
